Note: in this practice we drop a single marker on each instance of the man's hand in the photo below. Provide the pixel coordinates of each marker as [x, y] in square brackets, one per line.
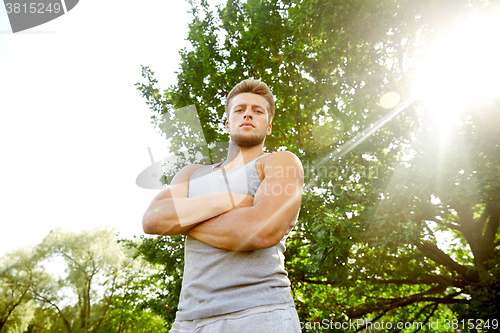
[290, 227]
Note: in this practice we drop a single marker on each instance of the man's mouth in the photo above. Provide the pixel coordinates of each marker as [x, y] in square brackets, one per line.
[247, 125]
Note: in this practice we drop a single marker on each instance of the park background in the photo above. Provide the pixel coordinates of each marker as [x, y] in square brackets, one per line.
[392, 107]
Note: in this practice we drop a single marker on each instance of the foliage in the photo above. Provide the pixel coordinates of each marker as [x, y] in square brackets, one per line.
[128, 310]
[19, 275]
[104, 289]
[167, 253]
[379, 190]
[92, 259]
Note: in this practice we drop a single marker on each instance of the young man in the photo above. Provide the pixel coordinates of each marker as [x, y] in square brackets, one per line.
[236, 216]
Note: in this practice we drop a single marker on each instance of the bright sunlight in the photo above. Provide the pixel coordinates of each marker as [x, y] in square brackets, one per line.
[462, 69]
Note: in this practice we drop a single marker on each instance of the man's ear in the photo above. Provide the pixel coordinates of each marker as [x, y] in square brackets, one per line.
[269, 127]
[227, 126]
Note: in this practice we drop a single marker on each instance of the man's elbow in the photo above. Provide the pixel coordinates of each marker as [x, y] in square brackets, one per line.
[148, 225]
[265, 240]
[151, 226]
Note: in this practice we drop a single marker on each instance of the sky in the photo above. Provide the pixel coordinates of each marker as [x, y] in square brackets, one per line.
[74, 129]
[75, 132]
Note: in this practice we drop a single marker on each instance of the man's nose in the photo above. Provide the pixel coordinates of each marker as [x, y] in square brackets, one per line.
[247, 114]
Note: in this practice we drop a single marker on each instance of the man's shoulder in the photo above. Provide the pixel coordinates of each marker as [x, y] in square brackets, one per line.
[188, 171]
[191, 168]
[283, 158]
[281, 161]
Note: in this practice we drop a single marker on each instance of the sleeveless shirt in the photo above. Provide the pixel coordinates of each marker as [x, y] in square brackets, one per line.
[218, 281]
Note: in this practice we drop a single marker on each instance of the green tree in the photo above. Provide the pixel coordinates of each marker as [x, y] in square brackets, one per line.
[105, 289]
[365, 245]
[166, 253]
[93, 259]
[129, 310]
[99, 293]
[19, 275]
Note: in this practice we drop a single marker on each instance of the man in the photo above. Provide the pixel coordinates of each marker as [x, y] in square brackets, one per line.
[236, 216]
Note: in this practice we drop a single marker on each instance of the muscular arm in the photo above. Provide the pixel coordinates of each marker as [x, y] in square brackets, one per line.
[264, 224]
[171, 212]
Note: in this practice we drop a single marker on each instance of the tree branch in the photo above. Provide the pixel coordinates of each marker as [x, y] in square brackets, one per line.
[4, 319]
[373, 320]
[110, 299]
[488, 238]
[484, 216]
[434, 253]
[390, 304]
[465, 214]
[468, 227]
[448, 225]
[281, 131]
[317, 282]
[418, 315]
[46, 300]
[421, 279]
[428, 317]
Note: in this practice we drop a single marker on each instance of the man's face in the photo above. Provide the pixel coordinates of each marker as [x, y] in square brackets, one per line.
[248, 122]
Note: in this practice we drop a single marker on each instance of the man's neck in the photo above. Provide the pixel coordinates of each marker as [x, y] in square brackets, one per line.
[237, 156]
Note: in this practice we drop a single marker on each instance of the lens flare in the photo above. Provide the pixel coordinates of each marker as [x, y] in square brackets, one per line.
[461, 70]
[390, 100]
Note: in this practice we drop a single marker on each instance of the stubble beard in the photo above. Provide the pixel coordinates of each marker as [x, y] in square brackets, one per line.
[248, 141]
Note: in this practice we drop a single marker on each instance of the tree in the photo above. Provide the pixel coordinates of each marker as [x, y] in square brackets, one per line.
[102, 290]
[19, 275]
[365, 246]
[128, 310]
[167, 254]
[105, 288]
[93, 259]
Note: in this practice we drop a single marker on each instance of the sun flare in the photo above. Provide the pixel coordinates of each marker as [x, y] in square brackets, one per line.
[463, 69]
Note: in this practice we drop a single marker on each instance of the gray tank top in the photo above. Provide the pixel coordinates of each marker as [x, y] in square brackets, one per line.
[217, 281]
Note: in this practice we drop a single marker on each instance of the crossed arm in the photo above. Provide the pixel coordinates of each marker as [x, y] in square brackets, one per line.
[253, 224]
[171, 212]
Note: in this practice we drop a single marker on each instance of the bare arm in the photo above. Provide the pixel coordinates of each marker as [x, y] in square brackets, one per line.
[171, 212]
[264, 224]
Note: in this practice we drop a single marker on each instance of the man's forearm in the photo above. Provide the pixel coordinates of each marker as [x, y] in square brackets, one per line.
[172, 216]
[235, 230]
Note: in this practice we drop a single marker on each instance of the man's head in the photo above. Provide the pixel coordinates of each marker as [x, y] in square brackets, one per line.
[253, 87]
[249, 110]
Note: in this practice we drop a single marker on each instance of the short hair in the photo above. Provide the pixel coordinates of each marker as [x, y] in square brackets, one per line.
[255, 87]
